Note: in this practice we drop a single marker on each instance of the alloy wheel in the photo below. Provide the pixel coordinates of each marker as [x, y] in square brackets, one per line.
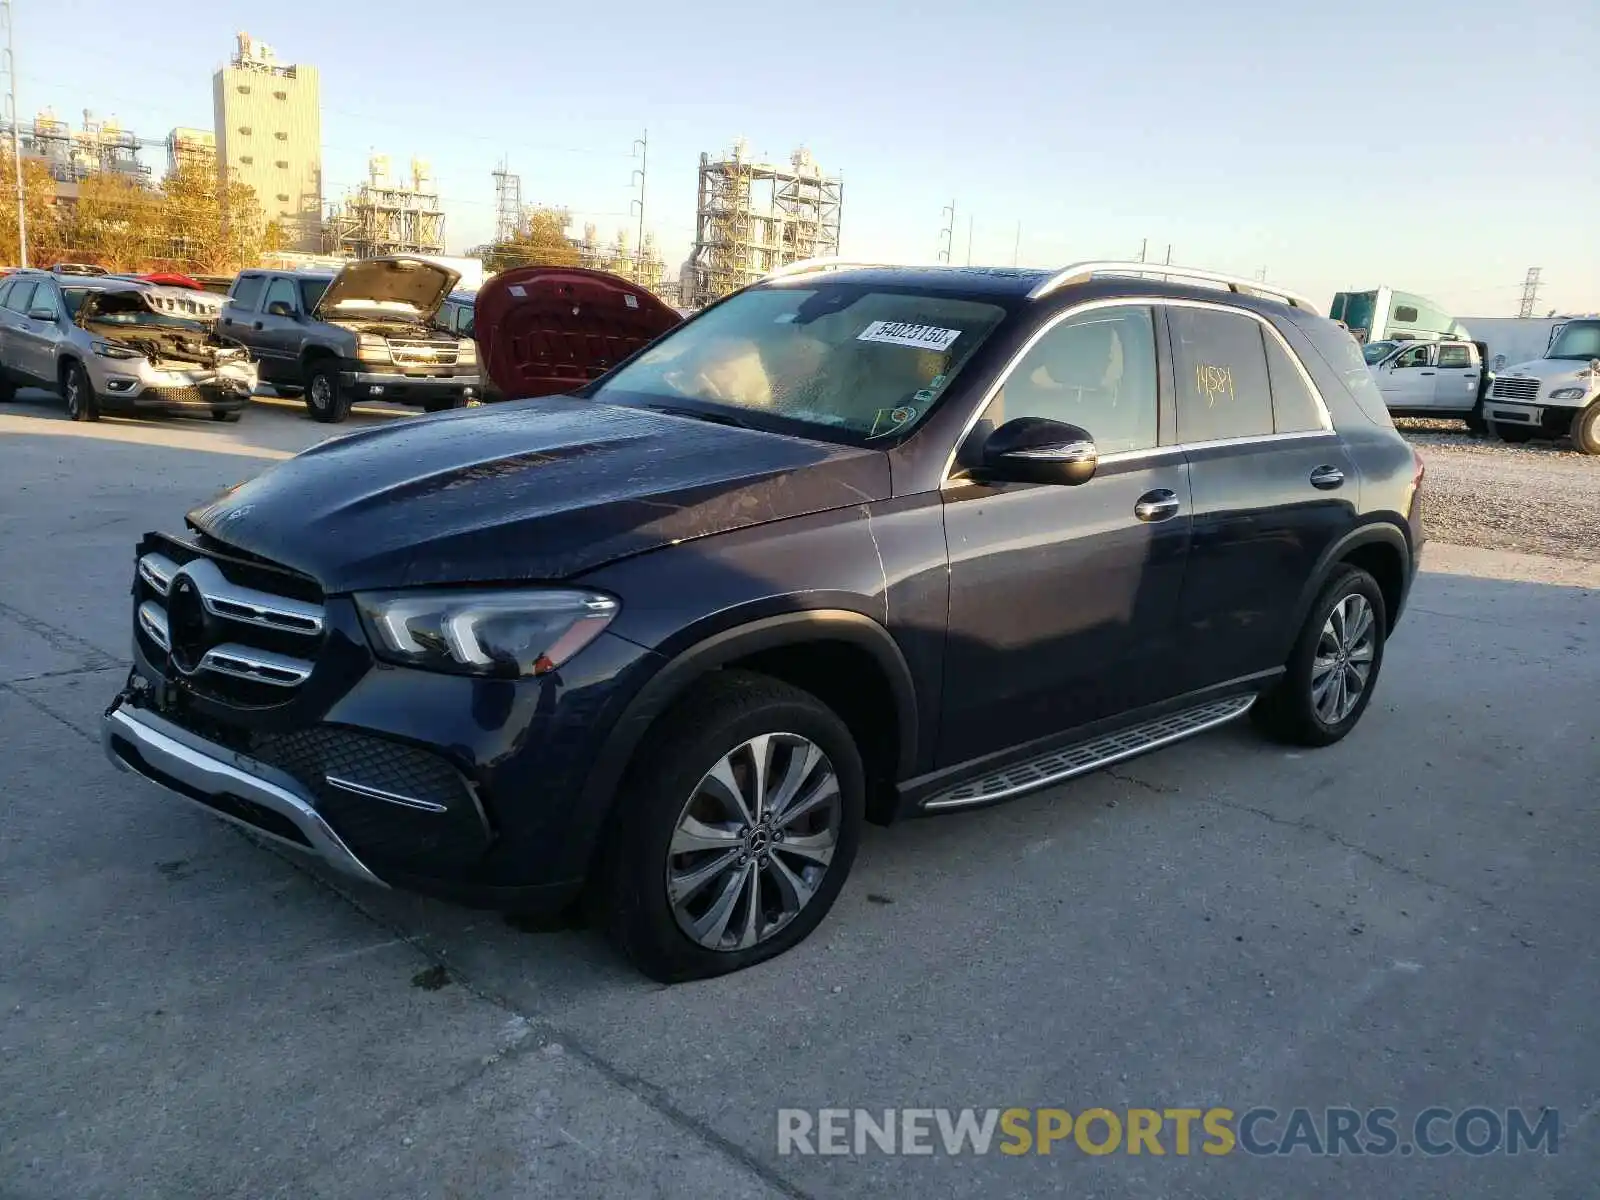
[754, 842]
[73, 395]
[1343, 662]
[321, 393]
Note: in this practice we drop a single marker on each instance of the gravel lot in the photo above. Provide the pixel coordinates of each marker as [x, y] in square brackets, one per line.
[1536, 498]
[1402, 920]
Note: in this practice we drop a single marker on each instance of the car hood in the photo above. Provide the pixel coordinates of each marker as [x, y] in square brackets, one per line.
[542, 331]
[1547, 369]
[412, 288]
[538, 489]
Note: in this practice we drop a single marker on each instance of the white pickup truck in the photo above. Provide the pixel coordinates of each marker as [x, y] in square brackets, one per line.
[1444, 378]
[1555, 395]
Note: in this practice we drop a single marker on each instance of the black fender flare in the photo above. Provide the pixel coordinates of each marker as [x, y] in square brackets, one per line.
[674, 677]
[1383, 531]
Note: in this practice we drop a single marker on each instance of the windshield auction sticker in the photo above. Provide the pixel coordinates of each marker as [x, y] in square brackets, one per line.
[901, 333]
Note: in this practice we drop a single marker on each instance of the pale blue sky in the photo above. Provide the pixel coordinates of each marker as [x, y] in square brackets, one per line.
[1442, 148]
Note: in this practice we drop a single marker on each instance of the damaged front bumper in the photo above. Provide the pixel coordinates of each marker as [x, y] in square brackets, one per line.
[225, 388]
[266, 801]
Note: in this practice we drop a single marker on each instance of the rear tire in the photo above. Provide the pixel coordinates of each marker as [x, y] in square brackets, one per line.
[438, 406]
[1343, 636]
[326, 401]
[674, 820]
[1586, 429]
[8, 388]
[78, 392]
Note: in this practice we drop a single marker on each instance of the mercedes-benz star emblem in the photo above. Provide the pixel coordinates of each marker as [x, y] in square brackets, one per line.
[186, 623]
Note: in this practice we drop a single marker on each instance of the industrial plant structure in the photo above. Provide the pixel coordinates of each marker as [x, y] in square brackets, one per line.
[71, 155]
[191, 147]
[269, 136]
[389, 216]
[751, 218]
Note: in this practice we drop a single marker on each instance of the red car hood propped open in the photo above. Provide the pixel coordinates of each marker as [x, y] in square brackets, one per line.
[542, 331]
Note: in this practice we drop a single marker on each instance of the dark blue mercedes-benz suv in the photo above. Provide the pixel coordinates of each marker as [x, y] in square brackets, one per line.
[854, 543]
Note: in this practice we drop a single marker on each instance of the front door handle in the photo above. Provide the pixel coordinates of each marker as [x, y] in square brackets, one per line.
[258, 325]
[1327, 478]
[1158, 505]
[1424, 372]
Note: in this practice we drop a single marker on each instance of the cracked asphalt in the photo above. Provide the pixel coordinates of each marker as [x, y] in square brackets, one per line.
[1402, 920]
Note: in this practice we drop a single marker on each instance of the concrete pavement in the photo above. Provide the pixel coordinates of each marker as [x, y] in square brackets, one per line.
[1401, 920]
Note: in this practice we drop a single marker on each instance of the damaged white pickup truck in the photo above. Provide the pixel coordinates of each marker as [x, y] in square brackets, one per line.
[106, 344]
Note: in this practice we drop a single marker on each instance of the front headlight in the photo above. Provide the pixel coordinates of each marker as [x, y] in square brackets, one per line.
[502, 634]
[467, 352]
[1569, 393]
[371, 348]
[110, 350]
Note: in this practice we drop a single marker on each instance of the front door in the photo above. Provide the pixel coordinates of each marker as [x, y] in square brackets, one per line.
[1273, 486]
[1064, 599]
[277, 337]
[1408, 379]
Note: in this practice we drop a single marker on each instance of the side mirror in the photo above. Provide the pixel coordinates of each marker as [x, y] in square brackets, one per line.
[280, 308]
[41, 314]
[1036, 450]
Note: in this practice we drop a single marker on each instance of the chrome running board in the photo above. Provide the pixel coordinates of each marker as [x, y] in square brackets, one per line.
[1057, 765]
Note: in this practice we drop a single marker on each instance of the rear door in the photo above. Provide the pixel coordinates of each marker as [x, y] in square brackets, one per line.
[1455, 387]
[1272, 487]
[21, 344]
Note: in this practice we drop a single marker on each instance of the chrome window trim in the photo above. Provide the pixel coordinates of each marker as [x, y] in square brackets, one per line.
[1149, 302]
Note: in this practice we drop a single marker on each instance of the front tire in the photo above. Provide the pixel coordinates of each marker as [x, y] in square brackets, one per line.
[734, 830]
[78, 392]
[326, 401]
[1516, 435]
[1586, 429]
[1333, 667]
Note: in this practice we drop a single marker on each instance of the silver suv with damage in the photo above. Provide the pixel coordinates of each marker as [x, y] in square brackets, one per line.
[106, 344]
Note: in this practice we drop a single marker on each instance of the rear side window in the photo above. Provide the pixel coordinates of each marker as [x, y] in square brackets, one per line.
[1454, 356]
[1221, 369]
[1294, 408]
[247, 291]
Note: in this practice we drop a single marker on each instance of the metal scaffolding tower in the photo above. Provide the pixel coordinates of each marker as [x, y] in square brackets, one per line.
[509, 218]
[751, 218]
[1530, 293]
[387, 216]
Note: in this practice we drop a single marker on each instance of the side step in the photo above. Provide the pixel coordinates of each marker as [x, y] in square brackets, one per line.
[1079, 759]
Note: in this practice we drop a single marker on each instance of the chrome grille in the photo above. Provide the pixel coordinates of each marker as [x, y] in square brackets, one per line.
[422, 354]
[227, 635]
[1515, 389]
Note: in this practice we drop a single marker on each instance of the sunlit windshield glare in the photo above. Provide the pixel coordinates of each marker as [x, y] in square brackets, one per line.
[869, 363]
[1579, 340]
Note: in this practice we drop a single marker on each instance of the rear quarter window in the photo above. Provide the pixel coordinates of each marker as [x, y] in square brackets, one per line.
[1221, 368]
[1342, 356]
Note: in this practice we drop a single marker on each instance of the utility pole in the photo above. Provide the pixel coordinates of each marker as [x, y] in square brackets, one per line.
[1143, 246]
[642, 145]
[1530, 293]
[1016, 247]
[1169, 254]
[969, 239]
[947, 234]
[16, 135]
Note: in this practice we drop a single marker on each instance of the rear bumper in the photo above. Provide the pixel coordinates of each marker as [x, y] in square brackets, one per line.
[251, 794]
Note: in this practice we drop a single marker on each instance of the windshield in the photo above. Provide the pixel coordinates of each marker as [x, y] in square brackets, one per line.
[74, 298]
[1580, 340]
[1374, 351]
[867, 364]
[311, 291]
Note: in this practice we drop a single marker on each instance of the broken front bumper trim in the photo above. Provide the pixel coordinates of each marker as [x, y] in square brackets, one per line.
[144, 744]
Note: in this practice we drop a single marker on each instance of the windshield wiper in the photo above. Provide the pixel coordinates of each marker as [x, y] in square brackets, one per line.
[700, 414]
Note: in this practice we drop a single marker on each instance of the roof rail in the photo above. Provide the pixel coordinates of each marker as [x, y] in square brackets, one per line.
[807, 265]
[1084, 271]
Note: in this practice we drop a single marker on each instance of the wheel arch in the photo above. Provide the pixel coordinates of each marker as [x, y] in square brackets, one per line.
[1380, 548]
[807, 649]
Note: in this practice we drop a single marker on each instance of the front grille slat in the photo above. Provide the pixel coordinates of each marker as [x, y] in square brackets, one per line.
[1515, 389]
[238, 644]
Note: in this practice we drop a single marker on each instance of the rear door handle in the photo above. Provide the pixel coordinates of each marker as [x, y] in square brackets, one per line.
[1327, 478]
[1158, 505]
